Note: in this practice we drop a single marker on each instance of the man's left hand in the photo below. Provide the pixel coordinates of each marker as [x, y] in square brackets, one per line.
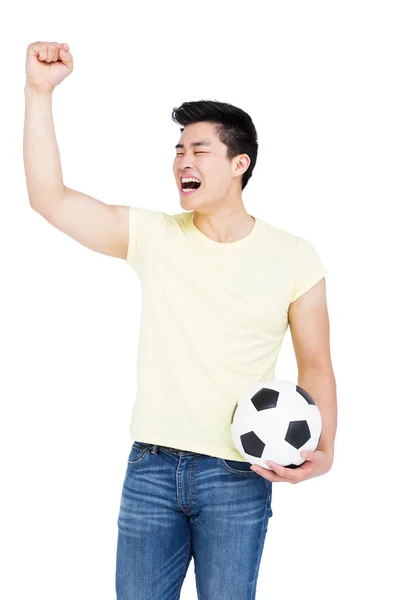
[316, 463]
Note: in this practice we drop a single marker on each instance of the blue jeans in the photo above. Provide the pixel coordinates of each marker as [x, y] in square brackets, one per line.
[177, 504]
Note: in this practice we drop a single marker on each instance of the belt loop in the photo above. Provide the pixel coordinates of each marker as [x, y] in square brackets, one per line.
[154, 450]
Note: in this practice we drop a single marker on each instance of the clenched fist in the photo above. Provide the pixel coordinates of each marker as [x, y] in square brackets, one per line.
[47, 65]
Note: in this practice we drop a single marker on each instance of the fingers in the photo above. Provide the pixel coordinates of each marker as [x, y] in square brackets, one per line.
[47, 52]
[276, 473]
[281, 471]
[66, 56]
[64, 53]
[51, 52]
[310, 468]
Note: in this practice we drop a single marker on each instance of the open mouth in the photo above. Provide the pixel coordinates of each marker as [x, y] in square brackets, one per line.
[189, 185]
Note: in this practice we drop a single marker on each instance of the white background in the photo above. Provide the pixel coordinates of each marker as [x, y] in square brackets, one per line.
[321, 82]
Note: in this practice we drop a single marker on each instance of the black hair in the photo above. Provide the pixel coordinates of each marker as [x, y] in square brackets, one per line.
[234, 127]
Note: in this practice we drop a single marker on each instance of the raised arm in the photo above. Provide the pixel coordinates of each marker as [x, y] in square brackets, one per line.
[101, 227]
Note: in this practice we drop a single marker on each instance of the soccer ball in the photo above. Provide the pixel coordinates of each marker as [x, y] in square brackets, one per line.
[276, 420]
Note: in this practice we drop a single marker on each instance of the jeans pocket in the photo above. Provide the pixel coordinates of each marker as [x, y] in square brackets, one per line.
[137, 453]
[237, 467]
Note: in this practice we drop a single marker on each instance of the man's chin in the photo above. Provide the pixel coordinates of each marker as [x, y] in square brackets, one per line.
[190, 199]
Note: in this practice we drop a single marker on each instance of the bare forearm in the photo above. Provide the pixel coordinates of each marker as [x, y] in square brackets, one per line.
[320, 383]
[41, 155]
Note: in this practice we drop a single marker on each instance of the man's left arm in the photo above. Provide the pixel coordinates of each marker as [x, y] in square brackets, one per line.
[310, 331]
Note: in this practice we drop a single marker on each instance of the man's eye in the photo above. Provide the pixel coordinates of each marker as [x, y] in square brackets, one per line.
[200, 152]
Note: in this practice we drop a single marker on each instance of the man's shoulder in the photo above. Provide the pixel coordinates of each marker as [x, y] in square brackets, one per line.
[277, 234]
[174, 222]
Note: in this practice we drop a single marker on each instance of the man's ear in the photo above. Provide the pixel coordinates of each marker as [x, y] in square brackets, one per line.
[241, 164]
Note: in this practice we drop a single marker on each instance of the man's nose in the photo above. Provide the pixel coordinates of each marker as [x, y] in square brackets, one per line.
[186, 162]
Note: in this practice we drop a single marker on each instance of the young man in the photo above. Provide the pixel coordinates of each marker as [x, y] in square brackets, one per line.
[220, 288]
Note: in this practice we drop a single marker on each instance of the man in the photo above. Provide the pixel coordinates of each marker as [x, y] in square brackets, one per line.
[219, 289]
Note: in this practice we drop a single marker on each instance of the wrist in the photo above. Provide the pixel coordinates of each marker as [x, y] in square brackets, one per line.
[43, 90]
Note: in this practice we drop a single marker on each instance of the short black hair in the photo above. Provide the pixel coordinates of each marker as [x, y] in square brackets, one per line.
[235, 127]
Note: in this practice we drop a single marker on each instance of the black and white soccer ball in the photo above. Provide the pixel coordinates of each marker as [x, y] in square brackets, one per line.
[276, 420]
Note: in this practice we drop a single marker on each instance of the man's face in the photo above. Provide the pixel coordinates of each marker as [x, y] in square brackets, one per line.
[205, 160]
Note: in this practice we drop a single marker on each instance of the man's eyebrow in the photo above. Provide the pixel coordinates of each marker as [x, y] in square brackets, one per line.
[193, 144]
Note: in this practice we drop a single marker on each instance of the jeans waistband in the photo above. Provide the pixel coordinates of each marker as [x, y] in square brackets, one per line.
[155, 448]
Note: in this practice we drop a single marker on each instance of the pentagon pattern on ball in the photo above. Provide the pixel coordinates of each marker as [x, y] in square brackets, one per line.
[305, 395]
[252, 444]
[265, 398]
[298, 433]
[291, 466]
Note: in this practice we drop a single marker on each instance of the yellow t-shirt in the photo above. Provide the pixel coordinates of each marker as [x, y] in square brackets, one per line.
[213, 319]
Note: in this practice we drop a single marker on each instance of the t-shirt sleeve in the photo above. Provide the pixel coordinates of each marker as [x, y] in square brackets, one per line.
[308, 268]
[143, 225]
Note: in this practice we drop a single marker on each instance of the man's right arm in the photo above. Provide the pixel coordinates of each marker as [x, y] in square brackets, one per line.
[101, 227]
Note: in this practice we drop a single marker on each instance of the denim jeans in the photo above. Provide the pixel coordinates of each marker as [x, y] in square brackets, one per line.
[177, 504]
